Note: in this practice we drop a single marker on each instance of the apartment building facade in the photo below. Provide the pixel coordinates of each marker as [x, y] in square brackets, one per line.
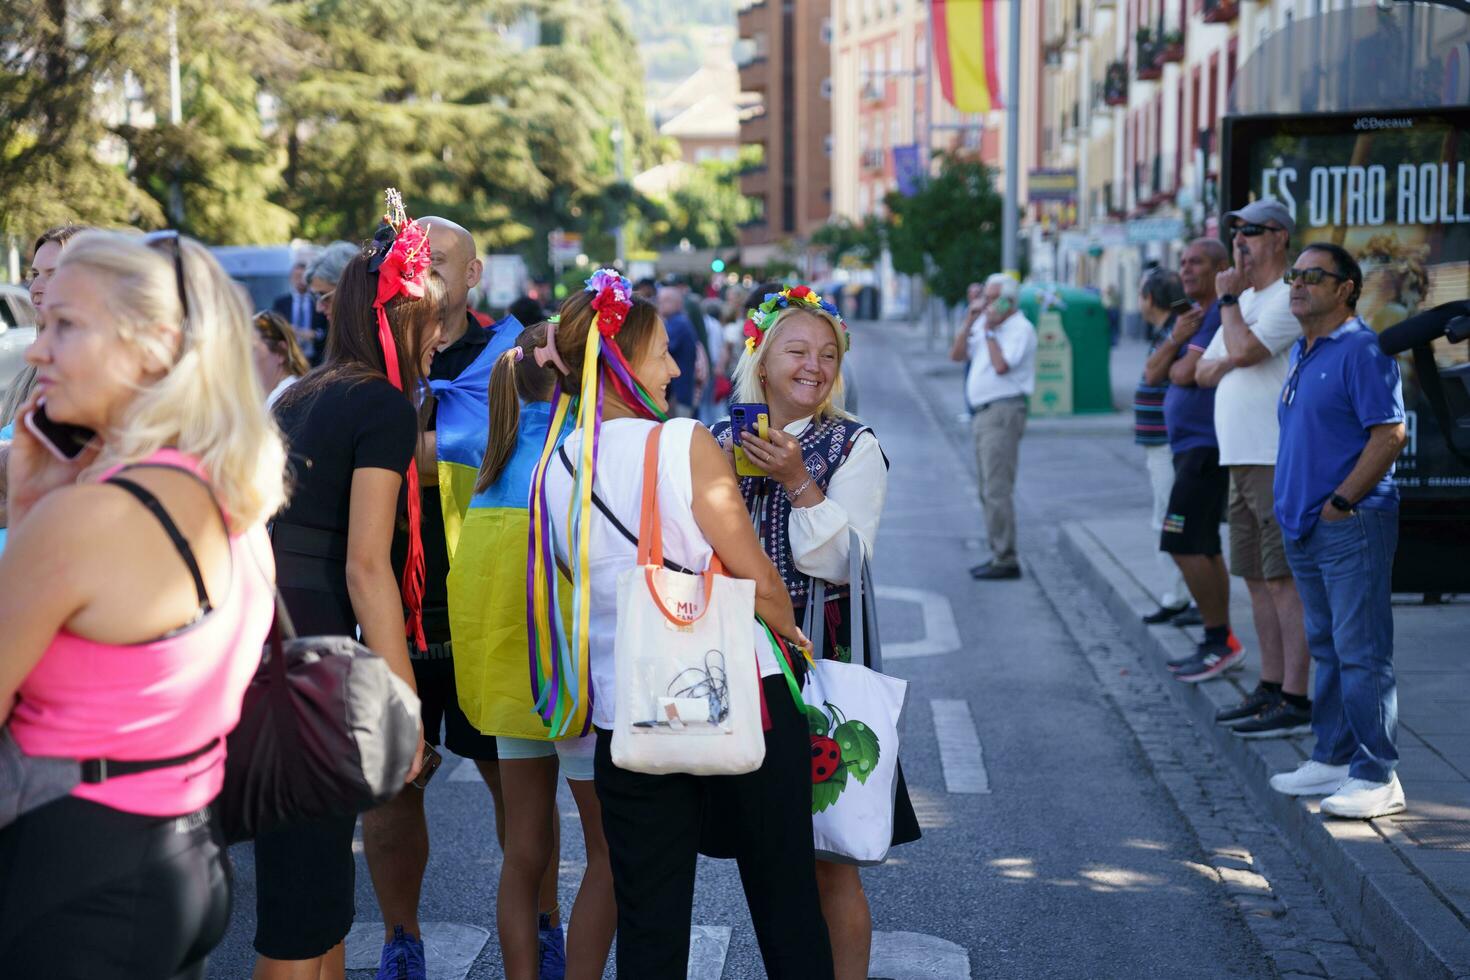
[1133, 93]
[784, 56]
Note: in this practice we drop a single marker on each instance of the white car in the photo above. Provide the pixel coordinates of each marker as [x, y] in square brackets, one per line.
[17, 330]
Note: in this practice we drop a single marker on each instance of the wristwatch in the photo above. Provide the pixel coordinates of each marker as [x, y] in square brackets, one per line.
[1228, 299]
[1341, 503]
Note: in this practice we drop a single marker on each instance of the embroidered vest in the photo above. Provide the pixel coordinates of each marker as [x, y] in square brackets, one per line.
[824, 447]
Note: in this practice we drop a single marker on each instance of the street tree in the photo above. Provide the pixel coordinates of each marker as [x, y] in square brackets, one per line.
[949, 231]
[857, 242]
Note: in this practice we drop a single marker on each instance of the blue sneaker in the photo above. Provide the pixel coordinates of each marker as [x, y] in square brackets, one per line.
[403, 958]
[553, 950]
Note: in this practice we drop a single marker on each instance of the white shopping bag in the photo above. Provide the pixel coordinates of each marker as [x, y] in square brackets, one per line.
[687, 687]
[853, 715]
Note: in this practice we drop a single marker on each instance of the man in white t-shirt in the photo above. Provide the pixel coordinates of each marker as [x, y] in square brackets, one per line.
[1001, 348]
[1246, 361]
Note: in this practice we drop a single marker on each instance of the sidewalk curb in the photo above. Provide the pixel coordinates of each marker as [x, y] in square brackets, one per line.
[1382, 902]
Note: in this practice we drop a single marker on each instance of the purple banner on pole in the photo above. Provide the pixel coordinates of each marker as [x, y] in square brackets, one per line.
[907, 169]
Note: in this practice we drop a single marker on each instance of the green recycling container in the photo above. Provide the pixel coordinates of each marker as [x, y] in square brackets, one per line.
[1072, 350]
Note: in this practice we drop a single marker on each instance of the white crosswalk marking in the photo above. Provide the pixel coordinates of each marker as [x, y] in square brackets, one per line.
[959, 747]
[915, 956]
[707, 948]
[450, 948]
[941, 635]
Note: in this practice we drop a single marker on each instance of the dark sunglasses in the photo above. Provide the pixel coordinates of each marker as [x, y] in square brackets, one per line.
[1255, 231]
[172, 238]
[1312, 276]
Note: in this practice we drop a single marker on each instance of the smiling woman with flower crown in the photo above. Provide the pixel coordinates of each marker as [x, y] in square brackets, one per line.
[827, 475]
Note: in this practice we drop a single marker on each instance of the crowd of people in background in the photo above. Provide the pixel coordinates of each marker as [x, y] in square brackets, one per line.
[1266, 404]
[199, 489]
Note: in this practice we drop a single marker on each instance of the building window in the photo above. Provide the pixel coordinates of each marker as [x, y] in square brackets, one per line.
[826, 88]
[827, 144]
[826, 31]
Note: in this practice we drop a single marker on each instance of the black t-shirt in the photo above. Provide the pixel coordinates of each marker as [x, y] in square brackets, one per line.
[447, 365]
[346, 425]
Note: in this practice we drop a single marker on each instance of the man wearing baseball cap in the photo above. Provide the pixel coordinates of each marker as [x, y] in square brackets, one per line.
[1246, 361]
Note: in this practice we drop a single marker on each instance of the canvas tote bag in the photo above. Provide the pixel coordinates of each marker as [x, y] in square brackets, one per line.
[687, 685]
[853, 714]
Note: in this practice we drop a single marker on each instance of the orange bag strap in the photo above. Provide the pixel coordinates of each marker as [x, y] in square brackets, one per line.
[651, 536]
[650, 527]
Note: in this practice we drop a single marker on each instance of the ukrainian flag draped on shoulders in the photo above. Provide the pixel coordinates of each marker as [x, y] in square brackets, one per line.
[486, 537]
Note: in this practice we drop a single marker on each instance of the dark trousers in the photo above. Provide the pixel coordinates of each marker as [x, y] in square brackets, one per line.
[87, 891]
[653, 825]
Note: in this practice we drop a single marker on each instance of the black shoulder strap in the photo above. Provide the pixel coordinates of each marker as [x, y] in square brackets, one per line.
[561, 452]
[148, 500]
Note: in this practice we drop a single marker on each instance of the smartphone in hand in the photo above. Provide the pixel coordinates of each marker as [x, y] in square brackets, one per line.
[64, 441]
[751, 417]
[1181, 306]
[432, 761]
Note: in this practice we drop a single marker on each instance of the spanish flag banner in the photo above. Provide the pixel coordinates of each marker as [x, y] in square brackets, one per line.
[966, 55]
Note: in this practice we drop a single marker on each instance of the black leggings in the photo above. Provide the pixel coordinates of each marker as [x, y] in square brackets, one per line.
[87, 891]
[653, 825]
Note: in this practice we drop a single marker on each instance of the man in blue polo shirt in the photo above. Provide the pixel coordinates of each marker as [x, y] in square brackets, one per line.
[1342, 426]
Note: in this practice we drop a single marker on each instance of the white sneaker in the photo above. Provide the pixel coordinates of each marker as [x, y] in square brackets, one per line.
[1360, 799]
[1310, 779]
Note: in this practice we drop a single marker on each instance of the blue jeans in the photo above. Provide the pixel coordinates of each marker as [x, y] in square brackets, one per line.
[1342, 572]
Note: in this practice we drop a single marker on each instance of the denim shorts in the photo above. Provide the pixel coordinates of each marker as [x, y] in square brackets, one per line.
[574, 754]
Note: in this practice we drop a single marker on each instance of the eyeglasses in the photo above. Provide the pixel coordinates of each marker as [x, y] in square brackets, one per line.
[319, 298]
[1254, 231]
[172, 238]
[1312, 276]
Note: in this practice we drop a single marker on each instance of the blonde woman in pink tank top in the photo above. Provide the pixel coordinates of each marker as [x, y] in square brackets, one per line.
[136, 594]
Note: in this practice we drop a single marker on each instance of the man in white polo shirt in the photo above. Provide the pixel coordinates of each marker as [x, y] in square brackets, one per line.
[1246, 360]
[1001, 348]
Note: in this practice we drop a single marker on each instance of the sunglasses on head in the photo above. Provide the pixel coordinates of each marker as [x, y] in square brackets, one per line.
[171, 238]
[1312, 276]
[1254, 230]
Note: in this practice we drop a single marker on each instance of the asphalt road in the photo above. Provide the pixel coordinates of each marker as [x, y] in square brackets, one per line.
[1073, 863]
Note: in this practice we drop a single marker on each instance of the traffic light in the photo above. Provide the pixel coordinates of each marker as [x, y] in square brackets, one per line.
[717, 266]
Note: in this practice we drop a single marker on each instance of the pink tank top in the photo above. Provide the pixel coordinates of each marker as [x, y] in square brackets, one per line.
[158, 699]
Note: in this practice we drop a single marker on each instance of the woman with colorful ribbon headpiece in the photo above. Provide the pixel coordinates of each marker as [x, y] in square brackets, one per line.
[487, 612]
[352, 428]
[825, 477]
[612, 358]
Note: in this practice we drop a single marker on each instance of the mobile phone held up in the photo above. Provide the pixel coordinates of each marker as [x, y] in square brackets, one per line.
[65, 442]
[1181, 306]
[748, 417]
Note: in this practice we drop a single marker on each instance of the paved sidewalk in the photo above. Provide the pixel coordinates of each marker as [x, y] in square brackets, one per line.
[1401, 884]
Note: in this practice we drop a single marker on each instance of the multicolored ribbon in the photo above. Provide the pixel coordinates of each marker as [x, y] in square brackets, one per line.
[559, 663]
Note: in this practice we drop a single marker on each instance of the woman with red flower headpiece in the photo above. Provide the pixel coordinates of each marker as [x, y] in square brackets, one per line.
[351, 427]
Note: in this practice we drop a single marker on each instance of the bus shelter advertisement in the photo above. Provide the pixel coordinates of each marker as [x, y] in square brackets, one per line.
[1392, 188]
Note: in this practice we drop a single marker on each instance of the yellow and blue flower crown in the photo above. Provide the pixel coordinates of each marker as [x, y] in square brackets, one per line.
[758, 320]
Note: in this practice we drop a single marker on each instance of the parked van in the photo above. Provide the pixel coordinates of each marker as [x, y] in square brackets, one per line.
[265, 270]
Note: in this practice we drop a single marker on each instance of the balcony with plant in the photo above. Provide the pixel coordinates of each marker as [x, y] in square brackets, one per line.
[1148, 50]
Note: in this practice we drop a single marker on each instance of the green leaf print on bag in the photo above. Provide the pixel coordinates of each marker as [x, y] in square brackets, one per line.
[860, 750]
[840, 747]
[844, 654]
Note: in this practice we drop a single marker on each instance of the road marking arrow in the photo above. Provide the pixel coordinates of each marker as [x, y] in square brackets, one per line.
[941, 635]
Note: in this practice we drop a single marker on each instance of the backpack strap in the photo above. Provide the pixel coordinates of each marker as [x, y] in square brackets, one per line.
[148, 500]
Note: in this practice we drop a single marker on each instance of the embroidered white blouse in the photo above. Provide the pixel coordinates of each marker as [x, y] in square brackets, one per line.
[854, 499]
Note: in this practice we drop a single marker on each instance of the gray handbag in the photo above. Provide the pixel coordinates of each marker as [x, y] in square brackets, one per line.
[860, 583]
[28, 781]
